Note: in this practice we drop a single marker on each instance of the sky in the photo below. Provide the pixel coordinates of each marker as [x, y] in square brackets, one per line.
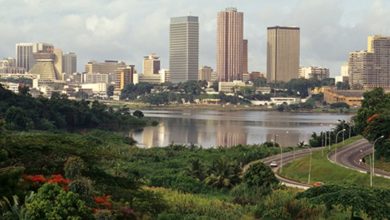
[128, 30]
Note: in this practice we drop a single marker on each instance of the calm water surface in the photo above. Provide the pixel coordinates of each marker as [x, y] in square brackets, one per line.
[217, 128]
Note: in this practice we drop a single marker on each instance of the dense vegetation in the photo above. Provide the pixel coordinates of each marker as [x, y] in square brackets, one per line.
[191, 91]
[22, 112]
[373, 121]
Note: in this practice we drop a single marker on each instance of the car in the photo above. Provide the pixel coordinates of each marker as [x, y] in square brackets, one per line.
[273, 164]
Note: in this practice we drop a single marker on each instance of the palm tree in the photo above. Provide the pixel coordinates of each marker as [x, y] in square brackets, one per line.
[196, 169]
[223, 174]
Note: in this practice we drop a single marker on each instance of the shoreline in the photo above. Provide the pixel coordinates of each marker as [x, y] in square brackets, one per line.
[214, 107]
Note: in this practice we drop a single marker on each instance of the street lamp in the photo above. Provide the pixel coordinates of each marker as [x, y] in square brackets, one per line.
[342, 123]
[308, 179]
[373, 158]
[335, 150]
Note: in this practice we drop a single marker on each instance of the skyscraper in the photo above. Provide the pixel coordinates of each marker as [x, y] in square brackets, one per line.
[184, 48]
[283, 49]
[69, 64]
[151, 64]
[230, 45]
[371, 68]
[361, 69]
[24, 56]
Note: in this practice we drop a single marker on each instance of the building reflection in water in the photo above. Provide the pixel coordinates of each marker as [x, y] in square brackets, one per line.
[210, 129]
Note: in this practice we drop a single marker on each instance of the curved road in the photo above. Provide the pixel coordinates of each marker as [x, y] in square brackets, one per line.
[350, 157]
[287, 158]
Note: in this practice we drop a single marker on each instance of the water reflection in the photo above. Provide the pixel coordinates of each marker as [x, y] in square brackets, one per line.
[215, 128]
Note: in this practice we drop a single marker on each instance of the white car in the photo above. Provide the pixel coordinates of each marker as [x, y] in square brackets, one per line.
[273, 164]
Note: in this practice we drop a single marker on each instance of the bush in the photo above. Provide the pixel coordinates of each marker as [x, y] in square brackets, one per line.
[281, 204]
[260, 176]
[74, 167]
[52, 202]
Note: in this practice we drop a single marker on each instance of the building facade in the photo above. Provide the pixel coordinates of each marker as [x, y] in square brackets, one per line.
[108, 66]
[361, 69]
[58, 61]
[230, 45]
[283, 53]
[24, 56]
[69, 64]
[205, 73]
[124, 76]
[314, 72]
[151, 65]
[184, 49]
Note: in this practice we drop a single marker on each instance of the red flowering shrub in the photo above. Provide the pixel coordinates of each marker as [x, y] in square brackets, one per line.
[35, 178]
[103, 201]
[372, 117]
[58, 179]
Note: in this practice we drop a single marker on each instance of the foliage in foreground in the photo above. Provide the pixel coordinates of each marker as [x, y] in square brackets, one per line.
[375, 203]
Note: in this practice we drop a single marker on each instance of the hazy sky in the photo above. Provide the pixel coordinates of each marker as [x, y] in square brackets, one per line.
[130, 29]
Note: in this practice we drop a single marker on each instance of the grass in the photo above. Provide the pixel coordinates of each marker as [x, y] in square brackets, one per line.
[187, 205]
[325, 171]
[383, 165]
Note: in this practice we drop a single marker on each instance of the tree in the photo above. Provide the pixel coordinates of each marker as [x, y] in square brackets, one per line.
[223, 174]
[23, 90]
[138, 114]
[374, 202]
[110, 90]
[260, 82]
[16, 118]
[261, 176]
[343, 86]
[196, 169]
[52, 202]
[215, 86]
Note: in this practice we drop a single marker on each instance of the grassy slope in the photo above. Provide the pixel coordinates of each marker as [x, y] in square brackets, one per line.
[329, 173]
[201, 205]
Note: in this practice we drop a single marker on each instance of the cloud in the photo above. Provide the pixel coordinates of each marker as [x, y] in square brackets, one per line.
[129, 29]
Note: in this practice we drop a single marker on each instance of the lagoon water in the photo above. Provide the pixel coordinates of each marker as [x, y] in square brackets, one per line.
[209, 128]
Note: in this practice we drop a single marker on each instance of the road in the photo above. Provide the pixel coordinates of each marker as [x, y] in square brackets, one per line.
[287, 158]
[350, 157]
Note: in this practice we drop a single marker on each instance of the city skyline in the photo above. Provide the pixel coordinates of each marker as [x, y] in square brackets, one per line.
[115, 33]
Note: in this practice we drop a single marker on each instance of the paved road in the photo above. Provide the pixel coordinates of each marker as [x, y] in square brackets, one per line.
[287, 158]
[350, 157]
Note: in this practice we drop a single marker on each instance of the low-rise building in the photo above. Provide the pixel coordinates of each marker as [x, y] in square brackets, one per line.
[315, 72]
[97, 88]
[351, 97]
[229, 87]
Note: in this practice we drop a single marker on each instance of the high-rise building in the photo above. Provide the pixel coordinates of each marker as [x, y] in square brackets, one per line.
[205, 73]
[45, 62]
[69, 64]
[108, 66]
[58, 62]
[151, 64]
[245, 57]
[184, 49]
[361, 69]
[371, 68]
[124, 76]
[230, 45]
[24, 56]
[314, 72]
[283, 49]
[380, 47]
